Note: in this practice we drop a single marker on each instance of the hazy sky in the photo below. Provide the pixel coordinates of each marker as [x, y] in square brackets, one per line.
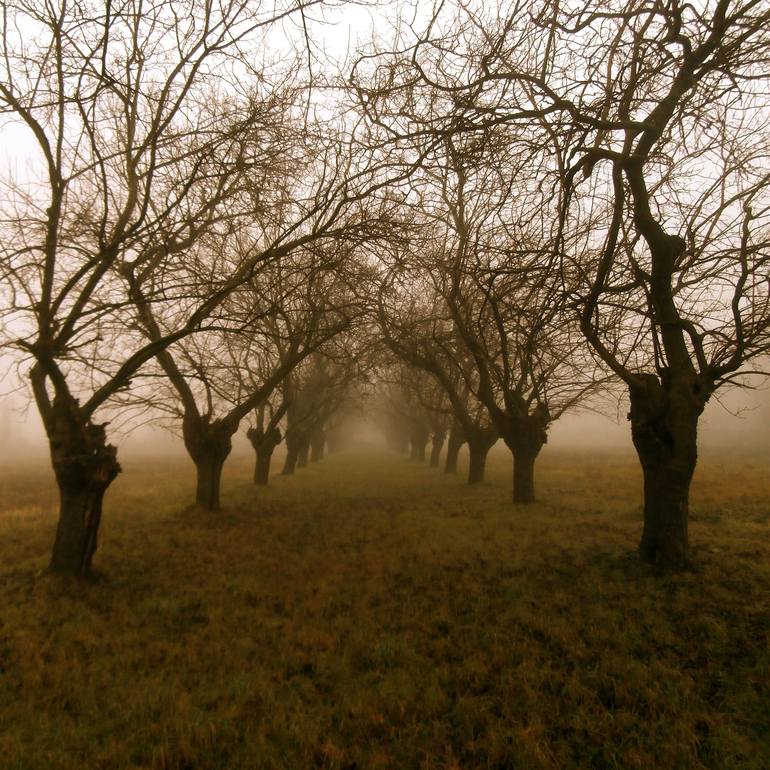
[335, 31]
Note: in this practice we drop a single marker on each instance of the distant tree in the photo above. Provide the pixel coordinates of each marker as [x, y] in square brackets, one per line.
[265, 329]
[422, 334]
[142, 145]
[315, 392]
[649, 123]
[504, 292]
[265, 436]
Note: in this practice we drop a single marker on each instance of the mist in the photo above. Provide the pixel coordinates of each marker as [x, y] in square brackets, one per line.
[368, 384]
[738, 420]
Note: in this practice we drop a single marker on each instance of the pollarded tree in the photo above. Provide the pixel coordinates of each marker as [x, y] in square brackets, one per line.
[675, 296]
[417, 327]
[265, 435]
[262, 333]
[652, 122]
[504, 292]
[140, 148]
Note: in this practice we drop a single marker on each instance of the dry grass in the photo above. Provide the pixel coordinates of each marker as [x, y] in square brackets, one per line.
[372, 613]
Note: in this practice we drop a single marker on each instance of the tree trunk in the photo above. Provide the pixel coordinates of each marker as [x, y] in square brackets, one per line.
[264, 443]
[290, 464]
[455, 442]
[209, 444]
[477, 463]
[317, 445]
[664, 425]
[209, 471]
[303, 453]
[85, 465]
[524, 475]
[262, 466]
[666, 498]
[435, 452]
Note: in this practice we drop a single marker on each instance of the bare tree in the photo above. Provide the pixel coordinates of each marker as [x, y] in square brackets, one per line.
[649, 121]
[266, 328]
[505, 297]
[153, 128]
[423, 335]
[315, 393]
[140, 148]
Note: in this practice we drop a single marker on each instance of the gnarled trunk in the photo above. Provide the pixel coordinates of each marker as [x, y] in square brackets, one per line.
[480, 441]
[437, 445]
[664, 425]
[525, 438]
[209, 445]
[85, 465]
[264, 444]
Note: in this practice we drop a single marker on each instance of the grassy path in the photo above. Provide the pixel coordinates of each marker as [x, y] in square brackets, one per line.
[372, 613]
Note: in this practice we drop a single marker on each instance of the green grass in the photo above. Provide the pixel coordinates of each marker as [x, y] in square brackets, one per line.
[372, 613]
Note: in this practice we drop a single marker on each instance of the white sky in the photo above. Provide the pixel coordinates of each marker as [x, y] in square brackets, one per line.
[338, 31]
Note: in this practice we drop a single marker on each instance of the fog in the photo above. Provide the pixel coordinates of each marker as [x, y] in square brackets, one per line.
[738, 420]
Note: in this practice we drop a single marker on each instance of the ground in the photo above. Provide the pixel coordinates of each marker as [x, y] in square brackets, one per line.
[373, 613]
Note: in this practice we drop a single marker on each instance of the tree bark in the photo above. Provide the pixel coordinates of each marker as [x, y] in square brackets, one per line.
[664, 424]
[303, 453]
[264, 444]
[208, 467]
[477, 462]
[435, 452]
[209, 444]
[317, 446]
[480, 441]
[85, 466]
[524, 475]
[454, 443]
[262, 465]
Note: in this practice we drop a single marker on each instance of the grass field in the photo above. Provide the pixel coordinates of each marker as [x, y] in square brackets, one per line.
[372, 613]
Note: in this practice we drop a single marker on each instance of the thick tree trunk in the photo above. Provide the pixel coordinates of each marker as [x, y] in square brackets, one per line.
[435, 452]
[85, 465]
[524, 475]
[262, 465]
[666, 501]
[664, 425]
[264, 445]
[209, 444]
[454, 444]
[477, 462]
[208, 467]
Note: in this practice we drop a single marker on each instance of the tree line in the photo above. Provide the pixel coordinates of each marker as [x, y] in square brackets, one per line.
[496, 215]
